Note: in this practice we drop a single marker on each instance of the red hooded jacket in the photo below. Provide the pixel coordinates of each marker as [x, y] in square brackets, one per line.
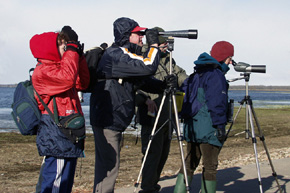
[56, 76]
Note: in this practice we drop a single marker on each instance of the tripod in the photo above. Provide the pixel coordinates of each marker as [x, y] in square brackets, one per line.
[250, 114]
[169, 92]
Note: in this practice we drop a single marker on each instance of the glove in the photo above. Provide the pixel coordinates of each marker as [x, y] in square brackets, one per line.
[104, 45]
[152, 36]
[75, 46]
[171, 81]
[73, 36]
[221, 133]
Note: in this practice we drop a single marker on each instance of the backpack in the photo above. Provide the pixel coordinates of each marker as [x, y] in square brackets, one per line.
[93, 57]
[25, 111]
[191, 105]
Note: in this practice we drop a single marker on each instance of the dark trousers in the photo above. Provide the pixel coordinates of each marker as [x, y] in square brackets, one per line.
[209, 154]
[107, 159]
[156, 158]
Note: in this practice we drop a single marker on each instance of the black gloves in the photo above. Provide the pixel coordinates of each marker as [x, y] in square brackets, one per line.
[152, 36]
[75, 46]
[73, 36]
[171, 81]
[73, 43]
[221, 133]
[104, 45]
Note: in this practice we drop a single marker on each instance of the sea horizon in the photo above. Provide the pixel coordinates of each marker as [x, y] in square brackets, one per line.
[231, 87]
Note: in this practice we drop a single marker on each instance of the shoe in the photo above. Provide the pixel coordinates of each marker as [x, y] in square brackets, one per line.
[157, 187]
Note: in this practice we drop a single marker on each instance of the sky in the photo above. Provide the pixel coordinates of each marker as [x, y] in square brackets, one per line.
[258, 29]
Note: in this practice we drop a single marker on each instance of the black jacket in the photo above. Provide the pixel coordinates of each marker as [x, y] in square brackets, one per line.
[121, 71]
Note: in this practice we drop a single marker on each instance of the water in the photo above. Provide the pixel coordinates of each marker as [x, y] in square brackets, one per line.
[261, 99]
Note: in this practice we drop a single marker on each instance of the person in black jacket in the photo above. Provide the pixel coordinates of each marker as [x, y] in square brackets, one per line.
[147, 111]
[121, 71]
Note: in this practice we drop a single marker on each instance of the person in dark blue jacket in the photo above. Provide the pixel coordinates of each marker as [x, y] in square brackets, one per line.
[121, 71]
[205, 115]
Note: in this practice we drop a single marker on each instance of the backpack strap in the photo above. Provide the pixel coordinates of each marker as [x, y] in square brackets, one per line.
[54, 115]
[30, 75]
[45, 106]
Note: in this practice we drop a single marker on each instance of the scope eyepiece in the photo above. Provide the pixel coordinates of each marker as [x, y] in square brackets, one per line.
[234, 63]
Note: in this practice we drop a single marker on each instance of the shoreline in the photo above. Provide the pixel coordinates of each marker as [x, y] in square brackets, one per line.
[231, 87]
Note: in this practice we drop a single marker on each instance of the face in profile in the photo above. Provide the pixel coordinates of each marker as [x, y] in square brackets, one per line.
[61, 47]
[136, 38]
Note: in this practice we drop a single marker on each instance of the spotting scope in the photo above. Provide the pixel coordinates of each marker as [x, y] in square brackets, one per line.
[190, 34]
[244, 67]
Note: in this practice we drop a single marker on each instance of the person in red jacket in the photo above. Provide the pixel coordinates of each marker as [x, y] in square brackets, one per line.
[60, 73]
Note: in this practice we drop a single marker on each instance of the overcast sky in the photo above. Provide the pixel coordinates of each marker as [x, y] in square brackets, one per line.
[259, 30]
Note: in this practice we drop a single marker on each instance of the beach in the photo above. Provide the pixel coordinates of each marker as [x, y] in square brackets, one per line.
[20, 162]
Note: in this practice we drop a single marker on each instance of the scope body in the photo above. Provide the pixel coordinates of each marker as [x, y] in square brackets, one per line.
[244, 67]
[190, 34]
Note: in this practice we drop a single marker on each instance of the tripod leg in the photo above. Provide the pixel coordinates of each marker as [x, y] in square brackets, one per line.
[262, 138]
[254, 141]
[150, 141]
[247, 122]
[179, 137]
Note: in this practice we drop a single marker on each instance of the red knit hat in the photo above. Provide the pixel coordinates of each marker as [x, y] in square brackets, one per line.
[221, 50]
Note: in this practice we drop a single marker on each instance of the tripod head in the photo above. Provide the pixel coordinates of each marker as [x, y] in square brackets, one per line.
[170, 42]
[245, 75]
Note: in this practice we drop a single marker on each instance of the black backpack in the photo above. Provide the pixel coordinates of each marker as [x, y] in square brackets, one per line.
[93, 57]
[25, 110]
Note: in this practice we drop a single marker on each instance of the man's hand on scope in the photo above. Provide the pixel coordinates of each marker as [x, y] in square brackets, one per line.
[152, 37]
[73, 36]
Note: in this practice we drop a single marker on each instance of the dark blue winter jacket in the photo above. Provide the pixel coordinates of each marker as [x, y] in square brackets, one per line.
[120, 71]
[206, 100]
[52, 142]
